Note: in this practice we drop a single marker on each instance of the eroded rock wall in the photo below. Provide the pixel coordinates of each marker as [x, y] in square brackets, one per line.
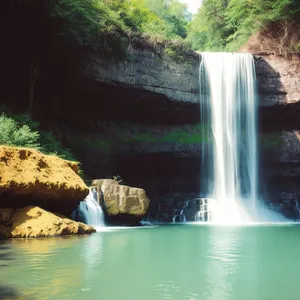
[150, 68]
[278, 79]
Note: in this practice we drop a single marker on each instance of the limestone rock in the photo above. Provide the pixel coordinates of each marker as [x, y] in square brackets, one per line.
[123, 204]
[33, 221]
[28, 177]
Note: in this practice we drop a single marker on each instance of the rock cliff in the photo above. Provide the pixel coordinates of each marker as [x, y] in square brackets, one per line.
[278, 79]
[149, 67]
[152, 115]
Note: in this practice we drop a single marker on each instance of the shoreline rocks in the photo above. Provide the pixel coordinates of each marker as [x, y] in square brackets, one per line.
[34, 222]
[28, 177]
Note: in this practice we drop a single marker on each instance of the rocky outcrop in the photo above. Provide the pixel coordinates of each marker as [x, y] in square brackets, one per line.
[30, 221]
[149, 67]
[278, 79]
[152, 69]
[28, 177]
[122, 204]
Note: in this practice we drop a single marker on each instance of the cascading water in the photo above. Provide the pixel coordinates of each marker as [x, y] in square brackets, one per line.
[204, 213]
[95, 215]
[228, 114]
[89, 211]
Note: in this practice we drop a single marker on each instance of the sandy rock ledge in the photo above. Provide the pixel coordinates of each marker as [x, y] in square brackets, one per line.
[31, 221]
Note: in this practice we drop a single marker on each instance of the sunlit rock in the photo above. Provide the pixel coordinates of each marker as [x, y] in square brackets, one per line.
[28, 177]
[122, 204]
[33, 221]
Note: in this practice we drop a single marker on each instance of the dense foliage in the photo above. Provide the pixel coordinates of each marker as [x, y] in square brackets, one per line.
[21, 131]
[14, 134]
[94, 22]
[228, 24]
[218, 25]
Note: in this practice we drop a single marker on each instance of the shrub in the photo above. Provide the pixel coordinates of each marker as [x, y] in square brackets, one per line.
[14, 134]
[21, 131]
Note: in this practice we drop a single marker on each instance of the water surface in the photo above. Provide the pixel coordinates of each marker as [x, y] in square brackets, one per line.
[190, 262]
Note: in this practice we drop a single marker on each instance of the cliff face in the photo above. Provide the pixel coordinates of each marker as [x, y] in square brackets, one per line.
[140, 118]
[279, 89]
[148, 81]
[159, 148]
[150, 68]
[278, 79]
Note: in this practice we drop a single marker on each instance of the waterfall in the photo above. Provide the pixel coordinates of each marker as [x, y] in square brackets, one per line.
[228, 116]
[89, 211]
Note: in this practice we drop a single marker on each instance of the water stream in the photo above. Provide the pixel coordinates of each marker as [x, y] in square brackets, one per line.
[89, 211]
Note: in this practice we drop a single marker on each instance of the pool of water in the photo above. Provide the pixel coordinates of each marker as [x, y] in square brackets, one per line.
[192, 262]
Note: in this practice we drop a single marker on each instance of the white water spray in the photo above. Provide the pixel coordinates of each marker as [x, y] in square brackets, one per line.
[228, 111]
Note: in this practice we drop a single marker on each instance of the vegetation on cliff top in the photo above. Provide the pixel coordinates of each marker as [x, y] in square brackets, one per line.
[218, 25]
[102, 23]
[228, 24]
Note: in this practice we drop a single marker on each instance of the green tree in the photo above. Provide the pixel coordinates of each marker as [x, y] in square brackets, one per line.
[207, 31]
[174, 14]
[228, 24]
[22, 131]
[14, 134]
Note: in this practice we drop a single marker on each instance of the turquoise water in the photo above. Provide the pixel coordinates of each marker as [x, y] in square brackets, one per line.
[187, 262]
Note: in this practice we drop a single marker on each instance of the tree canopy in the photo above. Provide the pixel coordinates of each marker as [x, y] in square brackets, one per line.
[219, 24]
[86, 19]
[228, 24]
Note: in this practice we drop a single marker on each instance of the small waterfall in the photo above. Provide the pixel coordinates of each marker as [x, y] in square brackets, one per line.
[94, 212]
[228, 116]
[89, 211]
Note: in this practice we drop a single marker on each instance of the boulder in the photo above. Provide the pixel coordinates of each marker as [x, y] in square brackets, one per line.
[122, 204]
[31, 221]
[28, 177]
